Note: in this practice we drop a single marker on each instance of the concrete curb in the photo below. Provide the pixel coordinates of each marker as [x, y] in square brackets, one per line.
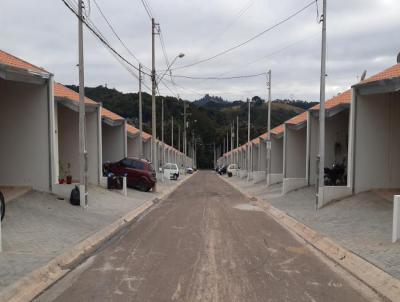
[31, 285]
[375, 278]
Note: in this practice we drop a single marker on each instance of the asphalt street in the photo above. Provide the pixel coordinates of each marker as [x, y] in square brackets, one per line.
[206, 242]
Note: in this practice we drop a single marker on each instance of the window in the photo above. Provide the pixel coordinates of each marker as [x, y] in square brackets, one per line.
[136, 164]
[126, 162]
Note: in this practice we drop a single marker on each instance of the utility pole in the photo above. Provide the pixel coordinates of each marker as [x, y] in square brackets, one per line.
[321, 183]
[184, 131]
[162, 139]
[140, 113]
[153, 99]
[215, 157]
[172, 132]
[82, 118]
[179, 138]
[232, 137]
[237, 132]
[269, 128]
[237, 138]
[248, 141]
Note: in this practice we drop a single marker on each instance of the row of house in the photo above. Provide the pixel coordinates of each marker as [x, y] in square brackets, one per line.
[39, 132]
[362, 131]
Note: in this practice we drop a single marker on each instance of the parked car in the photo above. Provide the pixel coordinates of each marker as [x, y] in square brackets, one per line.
[2, 206]
[139, 173]
[232, 170]
[171, 171]
[189, 170]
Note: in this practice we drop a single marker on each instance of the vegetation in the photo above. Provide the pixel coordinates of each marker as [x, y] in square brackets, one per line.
[209, 118]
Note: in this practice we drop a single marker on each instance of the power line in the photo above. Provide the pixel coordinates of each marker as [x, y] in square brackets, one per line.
[102, 39]
[219, 78]
[162, 42]
[237, 16]
[251, 39]
[147, 8]
[116, 34]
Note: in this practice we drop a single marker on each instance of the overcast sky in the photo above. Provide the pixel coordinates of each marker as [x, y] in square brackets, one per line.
[362, 34]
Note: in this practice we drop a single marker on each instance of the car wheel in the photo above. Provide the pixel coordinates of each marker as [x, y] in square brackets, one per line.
[2, 206]
[142, 186]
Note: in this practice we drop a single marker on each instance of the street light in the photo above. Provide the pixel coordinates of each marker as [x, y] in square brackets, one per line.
[181, 55]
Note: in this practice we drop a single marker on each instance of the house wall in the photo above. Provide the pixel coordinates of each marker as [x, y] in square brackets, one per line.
[255, 159]
[68, 139]
[377, 144]
[147, 149]
[295, 150]
[24, 135]
[262, 156]
[276, 155]
[113, 142]
[133, 147]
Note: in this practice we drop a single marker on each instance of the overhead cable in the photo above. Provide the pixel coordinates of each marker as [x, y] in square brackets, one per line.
[102, 39]
[220, 78]
[250, 39]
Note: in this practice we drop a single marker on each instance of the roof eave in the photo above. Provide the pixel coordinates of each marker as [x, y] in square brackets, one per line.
[11, 73]
[378, 87]
[111, 122]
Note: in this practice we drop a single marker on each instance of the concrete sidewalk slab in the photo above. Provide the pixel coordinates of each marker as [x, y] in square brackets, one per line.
[355, 233]
[43, 235]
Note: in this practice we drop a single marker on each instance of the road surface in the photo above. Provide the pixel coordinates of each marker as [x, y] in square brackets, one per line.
[206, 242]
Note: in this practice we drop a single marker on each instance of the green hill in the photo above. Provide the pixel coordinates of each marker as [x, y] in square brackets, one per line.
[212, 122]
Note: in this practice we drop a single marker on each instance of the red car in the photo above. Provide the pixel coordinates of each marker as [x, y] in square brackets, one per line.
[139, 172]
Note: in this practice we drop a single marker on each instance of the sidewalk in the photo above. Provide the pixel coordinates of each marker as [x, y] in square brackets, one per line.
[39, 227]
[360, 223]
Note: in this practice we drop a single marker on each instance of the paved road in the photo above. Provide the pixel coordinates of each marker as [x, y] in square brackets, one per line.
[206, 242]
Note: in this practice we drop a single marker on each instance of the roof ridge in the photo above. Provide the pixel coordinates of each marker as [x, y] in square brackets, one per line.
[24, 61]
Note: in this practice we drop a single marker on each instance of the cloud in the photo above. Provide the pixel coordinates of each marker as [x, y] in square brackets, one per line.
[362, 34]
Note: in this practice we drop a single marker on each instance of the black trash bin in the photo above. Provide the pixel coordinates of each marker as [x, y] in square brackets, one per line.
[114, 182]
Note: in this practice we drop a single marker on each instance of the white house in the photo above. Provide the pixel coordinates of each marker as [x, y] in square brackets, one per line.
[295, 168]
[337, 119]
[67, 135]
[275, 173]
[114, 136]
[26, 124]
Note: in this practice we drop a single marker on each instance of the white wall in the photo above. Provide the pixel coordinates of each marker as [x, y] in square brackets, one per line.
[255, 158]
[133, 147]
[68, 139]
[377, 144]
[147, 149]
[295, 150]
[276, 155]
[24, 135]
[113, 142]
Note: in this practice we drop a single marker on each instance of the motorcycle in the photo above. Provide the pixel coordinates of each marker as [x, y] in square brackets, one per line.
[335, 176]
[2, 206]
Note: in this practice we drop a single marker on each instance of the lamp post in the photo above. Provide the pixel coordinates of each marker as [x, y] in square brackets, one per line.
[156, 82]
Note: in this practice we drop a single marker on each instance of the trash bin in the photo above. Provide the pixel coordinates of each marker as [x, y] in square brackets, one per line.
[114, 182]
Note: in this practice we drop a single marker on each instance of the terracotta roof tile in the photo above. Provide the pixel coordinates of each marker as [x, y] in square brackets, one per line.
[61, 91]
[145, 135]
[132, 130]
[298, 119]
[340, 99]
[10, 60]
[392, 72]
[111, 115]
[278, 130]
